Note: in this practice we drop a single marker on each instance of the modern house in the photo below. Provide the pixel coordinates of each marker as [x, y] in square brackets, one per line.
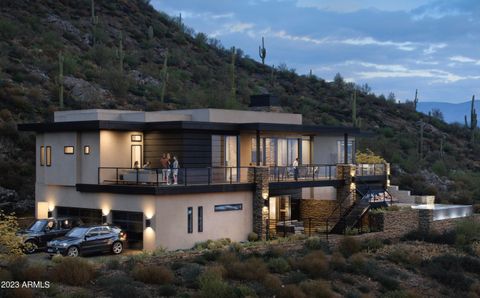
[235, 172]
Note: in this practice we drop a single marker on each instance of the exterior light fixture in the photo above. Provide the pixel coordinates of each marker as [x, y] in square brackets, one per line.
[104, 219]
[50, 214]
[148, 222]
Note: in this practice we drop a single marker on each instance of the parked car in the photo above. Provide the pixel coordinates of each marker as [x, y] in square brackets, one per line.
[89, 239]
[41, 231]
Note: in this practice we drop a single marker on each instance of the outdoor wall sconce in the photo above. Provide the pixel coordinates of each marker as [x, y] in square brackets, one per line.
[148, 222]
[104, 219]
[49, 214]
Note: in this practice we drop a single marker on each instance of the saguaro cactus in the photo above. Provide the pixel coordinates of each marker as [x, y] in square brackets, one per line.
[415, 101]
[61, 59]
[262, 52]
[94, 21]
[473, 120]
[164, 77]
[272, 76]
[232, 74]
[150, 32]
[120, 52]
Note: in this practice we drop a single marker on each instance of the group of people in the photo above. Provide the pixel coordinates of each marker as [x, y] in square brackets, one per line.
[169, 164]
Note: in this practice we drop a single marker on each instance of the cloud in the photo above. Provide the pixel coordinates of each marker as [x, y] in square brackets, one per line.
[232, 28]
[463, 59]
[349, 6]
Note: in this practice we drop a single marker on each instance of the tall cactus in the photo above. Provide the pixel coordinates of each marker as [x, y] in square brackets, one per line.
[272, 76]
[232, 74]
[150, 33]
[94, 21]
[59, 79]
[473, 120]
[262, 52]
[355, 121]
[164, 77]
[120, 52]
[415, 101]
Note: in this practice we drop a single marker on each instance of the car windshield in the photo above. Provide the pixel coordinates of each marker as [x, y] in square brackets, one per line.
[77, 232]
[38, 225]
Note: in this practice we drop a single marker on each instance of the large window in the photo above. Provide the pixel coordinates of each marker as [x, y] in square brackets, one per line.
[48, 156]
[341, 152]
[278, 151]
[42, 156]
[306, 152]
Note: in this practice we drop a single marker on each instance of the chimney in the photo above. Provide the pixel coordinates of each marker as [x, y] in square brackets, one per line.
[265, 103]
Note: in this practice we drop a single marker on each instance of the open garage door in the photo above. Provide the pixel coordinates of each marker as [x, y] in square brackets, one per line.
[88, 216]
[132, 223]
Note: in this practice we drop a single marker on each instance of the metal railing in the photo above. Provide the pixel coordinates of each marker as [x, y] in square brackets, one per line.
[176, 176]
[375, 169]
[303, 173]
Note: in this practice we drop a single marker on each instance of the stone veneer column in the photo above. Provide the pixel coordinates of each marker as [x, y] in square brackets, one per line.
[259, 176]
[425, 217]
[346, 172]
[387, 175]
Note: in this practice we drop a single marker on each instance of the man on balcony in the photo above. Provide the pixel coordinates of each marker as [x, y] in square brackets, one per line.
[295, 169]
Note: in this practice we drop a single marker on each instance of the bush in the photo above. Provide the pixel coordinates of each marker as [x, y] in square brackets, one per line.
[278, 265]
[33, 273]
[244, 291]
[316, 288]
[467, 231]
[252, 237]
[314, 264]
[120, 285]
[338, 262]
[152, 274]
[272, 283]
[295, 277]
[213, 244]
[113, 264]
[213, 286]
[189, 274]
[73, 271]
[315, 243]
[251, 269]
[166, 291]
[291, 291]
[357, 262]
[404, 256]
[372, 245]
[275, 252]
[348, 246]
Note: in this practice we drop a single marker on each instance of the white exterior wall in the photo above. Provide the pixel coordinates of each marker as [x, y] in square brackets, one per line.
[63, 170]
[115, 148]
[168, 213]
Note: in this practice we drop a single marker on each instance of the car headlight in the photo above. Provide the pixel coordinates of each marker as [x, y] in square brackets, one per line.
[64, 244]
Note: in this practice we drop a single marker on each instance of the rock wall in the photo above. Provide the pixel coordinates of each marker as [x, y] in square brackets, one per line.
[314, 213]
[395, 223]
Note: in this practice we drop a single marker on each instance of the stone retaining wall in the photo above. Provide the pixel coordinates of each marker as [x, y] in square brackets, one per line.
[318, 211]
[396, 223]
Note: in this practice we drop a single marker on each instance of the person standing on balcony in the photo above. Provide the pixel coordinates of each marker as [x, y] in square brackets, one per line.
[164, 163]
[295, 169]
[175, 170]
[136, 165]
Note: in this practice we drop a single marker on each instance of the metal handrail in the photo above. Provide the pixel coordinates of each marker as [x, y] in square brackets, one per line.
[339, 206]
[310, 172]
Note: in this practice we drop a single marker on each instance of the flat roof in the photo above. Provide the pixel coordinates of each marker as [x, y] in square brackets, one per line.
[188, 125]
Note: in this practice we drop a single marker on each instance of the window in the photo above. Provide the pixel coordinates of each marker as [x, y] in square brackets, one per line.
[48, 156]
[228, 207]
[42, 156]
[190, 220]
[341, 153]
[136, 138]
[68, 150]
[200, 219]
[86, 150]
[306, 152]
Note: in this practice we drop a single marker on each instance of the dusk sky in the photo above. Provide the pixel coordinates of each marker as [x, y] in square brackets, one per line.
[394, 46]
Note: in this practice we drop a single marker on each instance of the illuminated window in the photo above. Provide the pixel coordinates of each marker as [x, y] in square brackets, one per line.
[200, 219]
[228, 207]
[190, 219]
[42, 156]
[136, 138]
[86, 150]
[68, 150]
[48, 156]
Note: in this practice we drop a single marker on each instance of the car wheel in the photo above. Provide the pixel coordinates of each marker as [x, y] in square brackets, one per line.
[72, 251]
[30, 247]
[117, 248]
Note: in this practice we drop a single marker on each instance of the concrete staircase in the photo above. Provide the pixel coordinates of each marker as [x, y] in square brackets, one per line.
[401, 196]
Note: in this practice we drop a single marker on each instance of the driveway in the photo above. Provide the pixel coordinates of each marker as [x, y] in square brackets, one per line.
[43, 257]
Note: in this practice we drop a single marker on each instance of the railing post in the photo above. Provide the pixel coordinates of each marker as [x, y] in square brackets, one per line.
[330, 172]
[156, 175]
[116, 175]
[230, 175]
[209, 172]
[184, 176]
[98, 175]
[137, 175]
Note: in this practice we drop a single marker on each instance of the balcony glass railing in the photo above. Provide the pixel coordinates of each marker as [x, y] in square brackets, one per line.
[303, 173]
[377, 169]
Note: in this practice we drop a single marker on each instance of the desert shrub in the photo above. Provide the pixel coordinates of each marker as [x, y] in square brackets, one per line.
[337, 261]
[152, 274]
[121, 285]
[316, 288]
[252, 237]
[235, 247]
[405, 256]
[16, 264]
[372, 244]
[33, 272]
[73, 271]
[5, 274]
[20, 293]
[446, 237]
[57, 259]
[244, 291]
[357, 262]
[228, 257]
[212, 255]
[387, 282]
[251, 269]
[213, 286]
[278, 265]
[167, 291]
[295, 277]
[399, 294]
[113, 264]
[272, 283]
[291, 291]
[467, 231]
[213, 244]
[275, 252]
[11, 244]
[314, 264]
[189, 274]
[314, 243]
[348, 246]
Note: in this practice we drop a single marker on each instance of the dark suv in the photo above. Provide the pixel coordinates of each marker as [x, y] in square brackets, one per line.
[43, 230]
[88, 239]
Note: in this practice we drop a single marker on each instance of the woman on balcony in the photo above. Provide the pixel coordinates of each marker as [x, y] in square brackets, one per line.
[175, 170]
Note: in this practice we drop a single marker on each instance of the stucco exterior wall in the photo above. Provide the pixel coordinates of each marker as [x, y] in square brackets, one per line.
[168, 213]
[63, 169]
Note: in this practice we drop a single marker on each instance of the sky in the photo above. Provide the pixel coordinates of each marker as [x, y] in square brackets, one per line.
[392, 45]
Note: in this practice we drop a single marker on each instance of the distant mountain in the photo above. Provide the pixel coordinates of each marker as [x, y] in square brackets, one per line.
[452, 112]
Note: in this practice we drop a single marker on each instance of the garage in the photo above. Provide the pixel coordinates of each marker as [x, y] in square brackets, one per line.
[88, 216]
[132, 223]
